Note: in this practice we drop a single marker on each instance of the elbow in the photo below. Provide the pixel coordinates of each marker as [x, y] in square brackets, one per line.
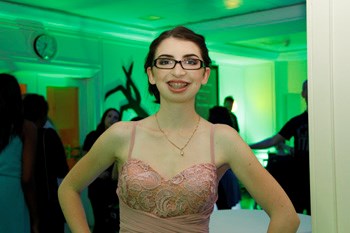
[285, 219]
[293, 222]
[294, 218]
[63, 191]
[60, 191]
[296, 221]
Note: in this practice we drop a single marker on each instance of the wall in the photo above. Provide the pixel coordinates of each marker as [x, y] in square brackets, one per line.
[267, 93]
[290, 76]
[243, 78]
[329, 56]
[117, 55]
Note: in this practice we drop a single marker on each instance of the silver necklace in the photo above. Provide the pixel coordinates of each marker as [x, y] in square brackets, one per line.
[181, 149]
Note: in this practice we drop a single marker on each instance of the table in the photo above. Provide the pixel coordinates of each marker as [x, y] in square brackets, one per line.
[248, 221]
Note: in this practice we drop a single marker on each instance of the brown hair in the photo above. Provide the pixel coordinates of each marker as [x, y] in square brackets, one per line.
[11, 112]
[179, 32]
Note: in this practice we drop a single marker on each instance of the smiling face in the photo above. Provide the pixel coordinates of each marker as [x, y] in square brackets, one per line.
[178, 84]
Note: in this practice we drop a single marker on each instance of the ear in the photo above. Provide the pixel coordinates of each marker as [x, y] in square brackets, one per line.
[206, 76]
[150, 75]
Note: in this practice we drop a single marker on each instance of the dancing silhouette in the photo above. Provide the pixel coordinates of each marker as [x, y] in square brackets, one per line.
[131, 93]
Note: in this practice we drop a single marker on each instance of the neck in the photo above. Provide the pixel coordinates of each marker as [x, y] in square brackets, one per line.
[177, 116]
[179, 133]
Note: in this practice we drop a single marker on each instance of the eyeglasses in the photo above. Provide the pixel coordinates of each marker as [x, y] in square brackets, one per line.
[186, 64]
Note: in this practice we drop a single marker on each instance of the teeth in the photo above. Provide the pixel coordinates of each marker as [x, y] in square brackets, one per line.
[177, 85]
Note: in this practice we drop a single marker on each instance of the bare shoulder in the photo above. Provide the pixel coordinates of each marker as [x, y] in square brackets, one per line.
[225, 133]
[229, 146]
[222, 132]
[122, 127]
[226, 137]
[114, 142]
[119, 132]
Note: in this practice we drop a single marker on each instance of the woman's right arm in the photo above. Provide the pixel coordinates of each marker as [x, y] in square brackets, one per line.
[28, 164]
[109, 147]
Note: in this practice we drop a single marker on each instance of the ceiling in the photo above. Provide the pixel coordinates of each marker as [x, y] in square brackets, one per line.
[270, 29]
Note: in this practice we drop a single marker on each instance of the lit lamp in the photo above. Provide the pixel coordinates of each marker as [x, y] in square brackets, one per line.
[234, 106]
[231, 4]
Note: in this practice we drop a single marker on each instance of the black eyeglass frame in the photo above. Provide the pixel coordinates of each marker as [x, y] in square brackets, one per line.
[202, 65]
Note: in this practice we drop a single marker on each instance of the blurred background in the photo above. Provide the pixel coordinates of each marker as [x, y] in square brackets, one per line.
[81, 65]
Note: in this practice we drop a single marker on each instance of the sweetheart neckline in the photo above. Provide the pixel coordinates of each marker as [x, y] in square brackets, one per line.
[163, 178]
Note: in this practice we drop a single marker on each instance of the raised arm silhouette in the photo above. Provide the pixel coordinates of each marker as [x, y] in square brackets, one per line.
[131, 93]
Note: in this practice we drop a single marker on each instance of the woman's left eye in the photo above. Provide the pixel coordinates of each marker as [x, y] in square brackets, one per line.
[191, 61]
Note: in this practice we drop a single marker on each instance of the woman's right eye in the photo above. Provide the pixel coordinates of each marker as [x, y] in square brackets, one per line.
[165, 61]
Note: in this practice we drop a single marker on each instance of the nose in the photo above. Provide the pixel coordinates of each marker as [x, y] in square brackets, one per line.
[178, 70]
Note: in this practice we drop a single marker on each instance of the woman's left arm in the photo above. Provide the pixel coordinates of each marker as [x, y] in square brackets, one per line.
[258, 181]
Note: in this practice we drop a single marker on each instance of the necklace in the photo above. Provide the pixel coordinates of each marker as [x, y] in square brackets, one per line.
[181, 149]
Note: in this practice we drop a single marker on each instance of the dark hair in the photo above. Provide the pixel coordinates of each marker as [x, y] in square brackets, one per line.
[101, 126]
[220, 115]
[229, 98]
[35, 107]
[305, 85]
[179, 32]
[11, 113]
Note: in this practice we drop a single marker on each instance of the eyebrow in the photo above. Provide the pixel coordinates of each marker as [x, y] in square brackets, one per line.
[184, 56]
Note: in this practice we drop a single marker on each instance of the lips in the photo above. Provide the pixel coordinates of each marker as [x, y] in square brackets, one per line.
[177, 84]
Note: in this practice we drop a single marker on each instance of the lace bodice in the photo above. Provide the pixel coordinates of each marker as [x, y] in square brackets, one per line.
[151, 203]
[192, 191]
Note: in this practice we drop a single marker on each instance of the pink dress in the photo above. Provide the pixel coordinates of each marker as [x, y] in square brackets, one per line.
[150, 203]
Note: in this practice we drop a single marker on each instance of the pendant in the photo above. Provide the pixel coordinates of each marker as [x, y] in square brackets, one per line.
[182, 152]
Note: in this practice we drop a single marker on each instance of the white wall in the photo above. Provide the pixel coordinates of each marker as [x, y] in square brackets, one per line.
[329, 85]
[251, 83]
[267, 93]
[289, 77]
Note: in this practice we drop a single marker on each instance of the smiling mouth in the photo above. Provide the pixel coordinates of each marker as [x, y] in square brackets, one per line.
[177, 85]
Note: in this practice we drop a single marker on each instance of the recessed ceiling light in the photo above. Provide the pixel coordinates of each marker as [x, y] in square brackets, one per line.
[231, 4]
[151, 17]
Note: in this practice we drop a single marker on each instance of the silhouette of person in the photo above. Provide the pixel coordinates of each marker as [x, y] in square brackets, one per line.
[101, 192]
[229, 194]
[50, 164]
[296, 127]
[228, 104]
[17, 155]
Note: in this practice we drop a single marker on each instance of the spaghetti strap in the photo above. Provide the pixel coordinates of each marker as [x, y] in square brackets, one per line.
[132, 139]
[212, 149]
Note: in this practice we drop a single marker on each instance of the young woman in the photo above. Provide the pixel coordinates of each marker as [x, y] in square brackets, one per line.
[17, 158]
[170, 163]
